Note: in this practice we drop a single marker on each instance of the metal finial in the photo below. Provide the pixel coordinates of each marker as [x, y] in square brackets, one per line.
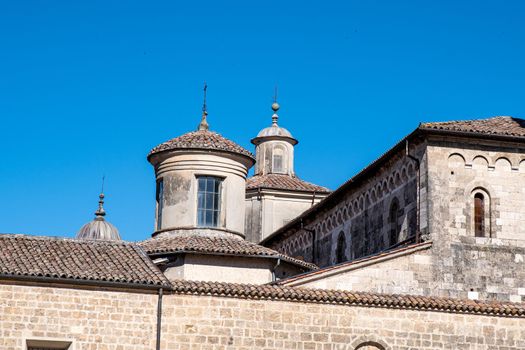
[204, 123]
[275, 108]
[100, 213]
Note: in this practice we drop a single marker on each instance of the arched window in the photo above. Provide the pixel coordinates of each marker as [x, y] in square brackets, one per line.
[369, 345]
[479, 215]
[340, 255]
[278, 160]
[394, 227]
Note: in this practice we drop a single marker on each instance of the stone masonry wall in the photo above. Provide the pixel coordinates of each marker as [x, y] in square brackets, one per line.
[206, 322]
[492, 266]
[93, 320]
[364, 217]
[392, 273]
[102, 320]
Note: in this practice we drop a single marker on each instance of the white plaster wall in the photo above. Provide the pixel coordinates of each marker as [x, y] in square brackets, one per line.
[180, 170]
[270, 210]
[222, 269]
[264, 153]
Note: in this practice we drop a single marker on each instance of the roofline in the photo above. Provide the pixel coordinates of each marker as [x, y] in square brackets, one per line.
[261, 139]
[285, 258]
[206, 150]
[341, 190]
[419, 131]
[83, 282]
[349, 298]
[471, 134]
[327, 191]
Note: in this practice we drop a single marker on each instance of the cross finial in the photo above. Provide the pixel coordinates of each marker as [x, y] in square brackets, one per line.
[204, 123]
[204, 107]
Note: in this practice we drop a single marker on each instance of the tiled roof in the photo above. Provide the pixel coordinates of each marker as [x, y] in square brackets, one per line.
[214, 245]
[202, 139]
[504, 126]
[283, 182]
[71, 260]
[322, 296]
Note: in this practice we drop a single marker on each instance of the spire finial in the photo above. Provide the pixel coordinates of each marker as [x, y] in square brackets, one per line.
[204, 123]
[100, 213]
[275, 107]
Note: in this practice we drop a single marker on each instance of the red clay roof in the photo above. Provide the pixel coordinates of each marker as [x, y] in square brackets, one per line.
[283, 182]
[505, 126]
[322, 296]
[214, 245]
[71, 260]
[202, 139]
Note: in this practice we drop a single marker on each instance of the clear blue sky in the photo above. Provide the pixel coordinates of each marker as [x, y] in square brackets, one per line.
[88, 87]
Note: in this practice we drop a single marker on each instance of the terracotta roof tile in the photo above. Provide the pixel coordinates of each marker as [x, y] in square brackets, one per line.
[504, 126]
[283, 182]
[322, 296]
[217, 245]
[202, 139]
[23, 256]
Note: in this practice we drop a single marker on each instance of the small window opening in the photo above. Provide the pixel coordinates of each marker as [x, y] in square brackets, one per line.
[278, 161]
[208, 201]
[341, 248]
[394, 227]
[479, 215]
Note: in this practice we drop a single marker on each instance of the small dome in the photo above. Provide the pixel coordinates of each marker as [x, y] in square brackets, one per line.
[274, 130]
[204, 140]
[99, 228]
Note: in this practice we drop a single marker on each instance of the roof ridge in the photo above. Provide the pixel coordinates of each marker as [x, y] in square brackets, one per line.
[350, 298]
[61, 238]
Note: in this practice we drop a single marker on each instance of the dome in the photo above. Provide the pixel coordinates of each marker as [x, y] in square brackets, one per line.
[201, 140]
[274, 131]
[99, 228]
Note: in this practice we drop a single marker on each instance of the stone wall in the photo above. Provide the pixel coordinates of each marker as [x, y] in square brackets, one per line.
[90, 319]
[207, 322]
[104, 320]
[403, 271]
[492, 266]
[364, 221]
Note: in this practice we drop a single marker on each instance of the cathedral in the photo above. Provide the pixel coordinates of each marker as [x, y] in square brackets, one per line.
[422, 249]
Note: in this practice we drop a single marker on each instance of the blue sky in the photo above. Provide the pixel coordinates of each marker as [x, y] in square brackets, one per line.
[88, 88]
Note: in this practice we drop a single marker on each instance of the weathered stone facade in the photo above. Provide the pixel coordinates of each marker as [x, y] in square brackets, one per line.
[486, 262]
[493, 265]
[126, 320]
[377, 213]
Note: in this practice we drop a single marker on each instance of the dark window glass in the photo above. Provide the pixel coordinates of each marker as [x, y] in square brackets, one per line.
[341, 247]
[208, 201]
[479, 215]
[160, 202]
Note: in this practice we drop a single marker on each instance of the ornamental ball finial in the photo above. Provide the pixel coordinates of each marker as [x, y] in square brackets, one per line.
[275, 106]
